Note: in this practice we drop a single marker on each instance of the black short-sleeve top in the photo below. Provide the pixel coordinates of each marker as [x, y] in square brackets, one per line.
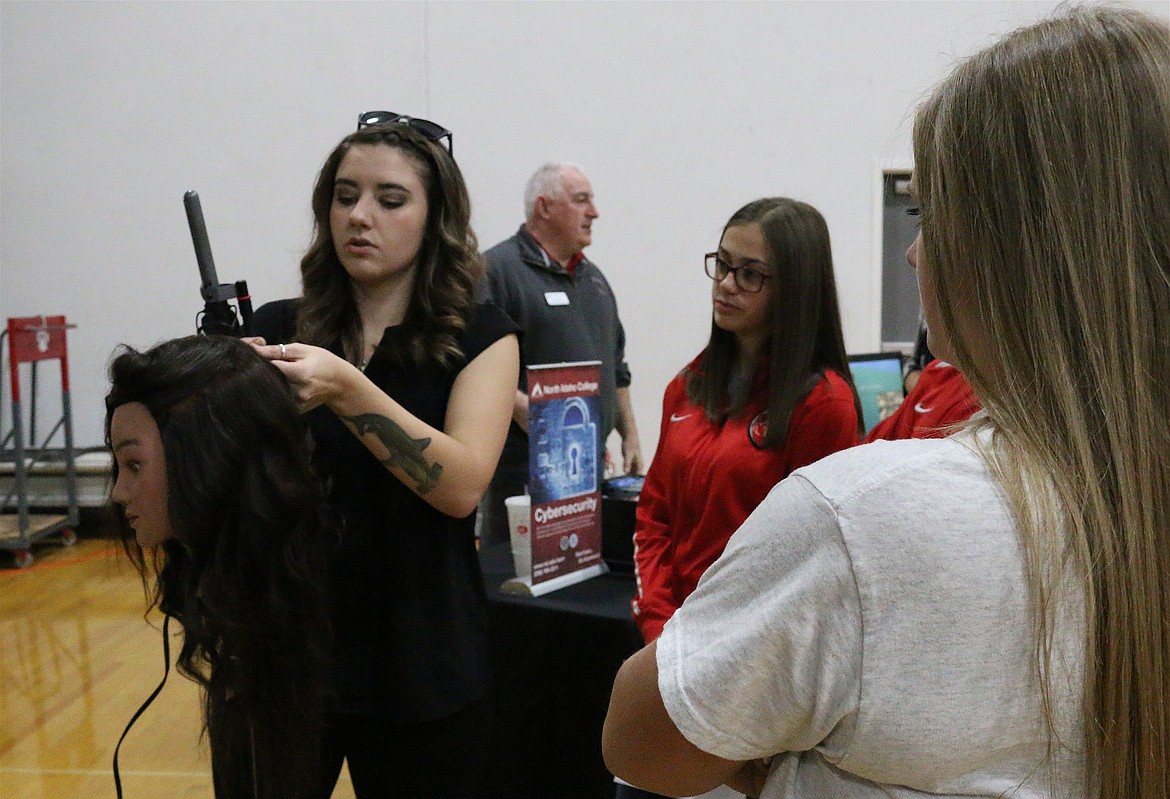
[409, 608]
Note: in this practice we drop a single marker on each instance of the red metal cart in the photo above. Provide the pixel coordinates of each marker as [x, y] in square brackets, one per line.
[30, 340]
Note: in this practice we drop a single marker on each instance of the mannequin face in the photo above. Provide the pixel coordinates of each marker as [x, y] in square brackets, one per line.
[141, 488]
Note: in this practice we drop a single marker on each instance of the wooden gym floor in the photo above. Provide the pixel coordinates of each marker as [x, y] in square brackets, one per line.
[77, 658]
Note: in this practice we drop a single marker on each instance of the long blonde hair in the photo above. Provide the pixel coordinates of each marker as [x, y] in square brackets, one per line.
[1043, 170]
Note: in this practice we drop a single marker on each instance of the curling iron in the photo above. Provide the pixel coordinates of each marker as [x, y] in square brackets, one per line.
[218, 316]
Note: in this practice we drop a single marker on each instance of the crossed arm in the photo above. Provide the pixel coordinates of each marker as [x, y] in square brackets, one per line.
[642, 745]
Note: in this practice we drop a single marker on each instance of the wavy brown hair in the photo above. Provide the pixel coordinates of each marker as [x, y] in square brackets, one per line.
[246, 572]
[805, 338]
[449, 267]
[1043, 170]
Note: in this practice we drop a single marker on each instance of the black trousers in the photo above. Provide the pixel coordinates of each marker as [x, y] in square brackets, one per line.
[443, 759]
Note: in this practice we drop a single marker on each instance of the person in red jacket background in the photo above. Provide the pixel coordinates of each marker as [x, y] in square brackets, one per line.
[771, 392]
[942, 397]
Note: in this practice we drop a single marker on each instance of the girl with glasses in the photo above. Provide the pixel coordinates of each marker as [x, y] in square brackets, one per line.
[770, 392]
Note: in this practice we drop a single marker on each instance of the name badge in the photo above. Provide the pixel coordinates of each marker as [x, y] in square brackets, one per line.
[556, 298]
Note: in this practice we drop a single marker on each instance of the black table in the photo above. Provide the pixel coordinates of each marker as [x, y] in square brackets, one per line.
[555, 658]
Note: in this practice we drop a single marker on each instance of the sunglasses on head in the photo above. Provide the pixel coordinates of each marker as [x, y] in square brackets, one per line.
[431, 130]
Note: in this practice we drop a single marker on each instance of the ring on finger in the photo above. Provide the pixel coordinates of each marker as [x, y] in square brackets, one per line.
[282, 352]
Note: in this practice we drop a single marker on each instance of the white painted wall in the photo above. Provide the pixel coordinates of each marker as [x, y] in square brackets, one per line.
[680, 113]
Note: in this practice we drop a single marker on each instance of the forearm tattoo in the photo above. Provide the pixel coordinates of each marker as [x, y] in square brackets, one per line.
[406, 453]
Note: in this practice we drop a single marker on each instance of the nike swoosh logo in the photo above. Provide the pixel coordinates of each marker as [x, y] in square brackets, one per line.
[677, 418]
[919, 409]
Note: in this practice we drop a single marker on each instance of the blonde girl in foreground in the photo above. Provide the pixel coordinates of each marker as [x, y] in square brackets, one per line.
[984, 615]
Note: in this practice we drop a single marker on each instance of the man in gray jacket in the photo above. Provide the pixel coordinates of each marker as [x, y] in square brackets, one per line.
[563, 303]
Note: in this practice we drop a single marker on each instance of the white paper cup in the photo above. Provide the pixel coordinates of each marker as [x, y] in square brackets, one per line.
[519, 524]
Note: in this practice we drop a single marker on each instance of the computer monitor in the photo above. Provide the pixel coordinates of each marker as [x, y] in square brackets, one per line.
[878, 377]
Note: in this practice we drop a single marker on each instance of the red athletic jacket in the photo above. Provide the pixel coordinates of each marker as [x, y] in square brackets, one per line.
[706, 479]
[941, 397]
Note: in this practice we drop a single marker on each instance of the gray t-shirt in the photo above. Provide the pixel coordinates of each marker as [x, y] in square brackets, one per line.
[869, 626]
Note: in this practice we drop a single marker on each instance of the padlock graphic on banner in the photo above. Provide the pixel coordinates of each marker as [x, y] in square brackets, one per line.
[578, 448]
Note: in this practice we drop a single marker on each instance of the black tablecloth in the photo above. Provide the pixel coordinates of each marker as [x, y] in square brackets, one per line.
[555, 658]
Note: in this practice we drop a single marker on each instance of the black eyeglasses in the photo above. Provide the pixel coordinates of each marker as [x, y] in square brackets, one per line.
[431, 130]
[747, 278]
